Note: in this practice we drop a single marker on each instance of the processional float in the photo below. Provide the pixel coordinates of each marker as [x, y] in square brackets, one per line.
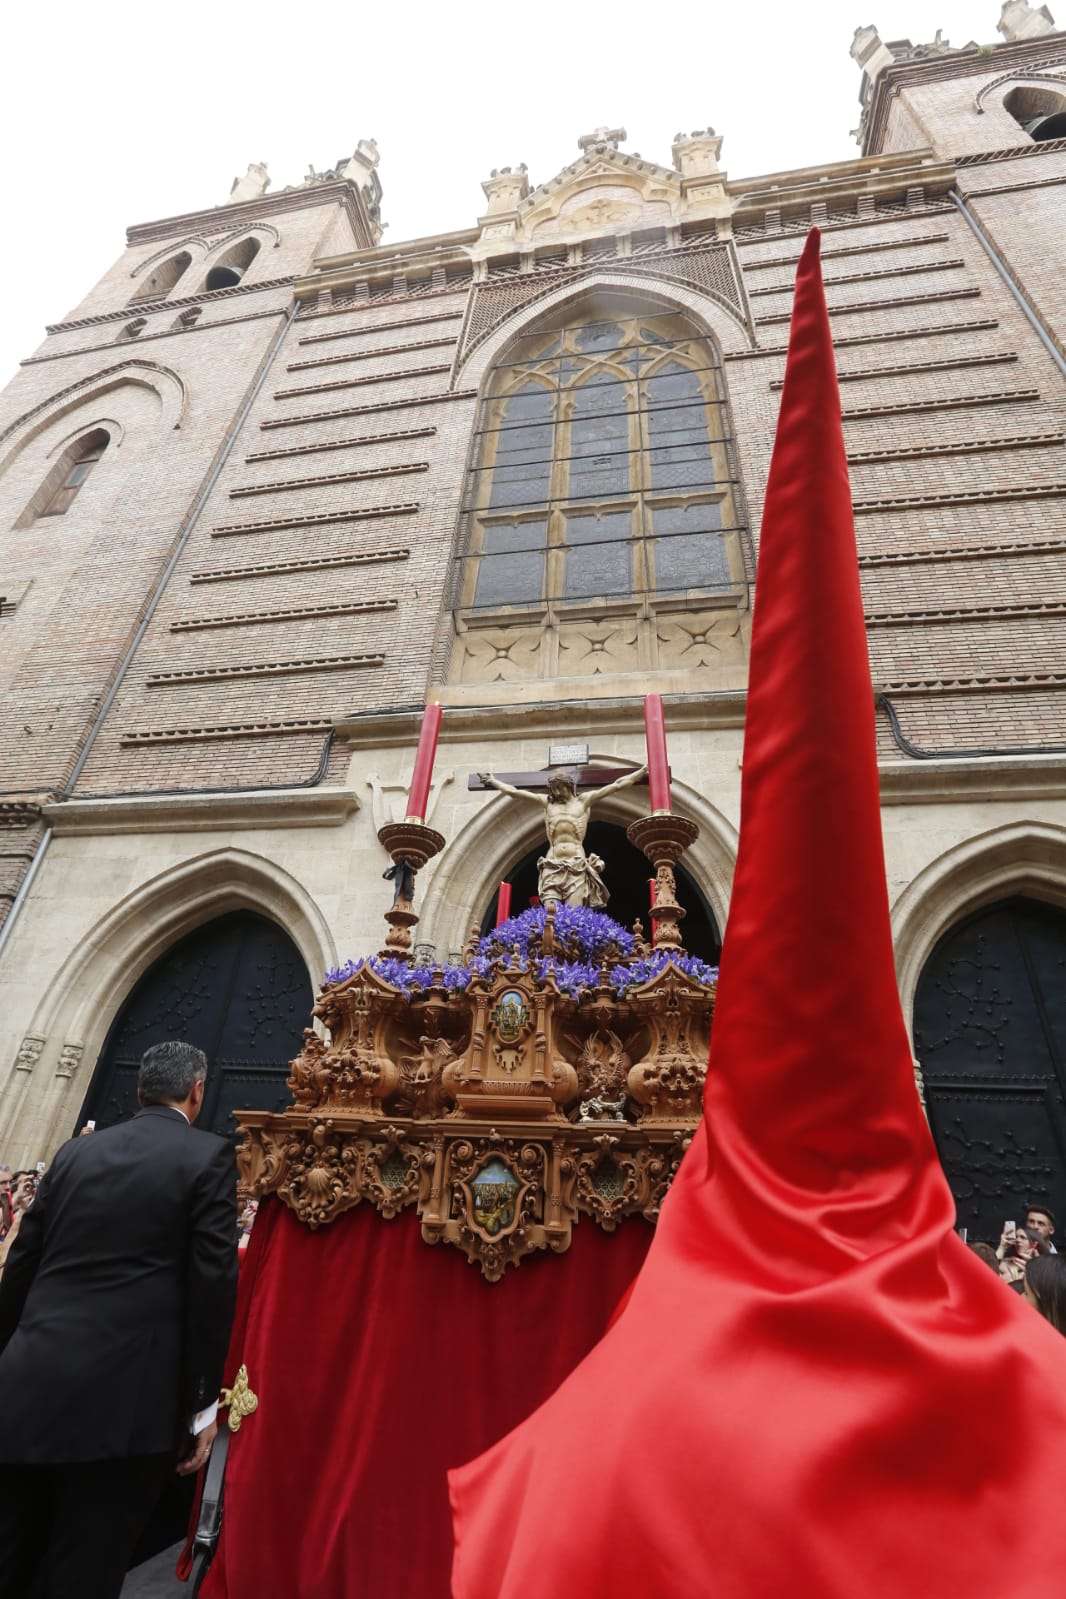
[555, 1072]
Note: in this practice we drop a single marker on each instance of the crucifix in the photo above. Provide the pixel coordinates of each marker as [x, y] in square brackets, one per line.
[565, 874]
[602, 139]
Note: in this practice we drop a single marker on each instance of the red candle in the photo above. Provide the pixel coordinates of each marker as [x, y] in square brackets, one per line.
[418, 799]
[651, 894]
[658, 769]
[503, 903]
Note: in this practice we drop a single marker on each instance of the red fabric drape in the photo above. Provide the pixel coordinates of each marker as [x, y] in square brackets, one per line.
[814, 1391]
[379, 1363]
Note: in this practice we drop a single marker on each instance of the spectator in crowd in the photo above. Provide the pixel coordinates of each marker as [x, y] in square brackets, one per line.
[115, 1312]
[1045, 1288]
[986, 1253]
[1039, 1220]
[246, 1223]
[1014, 1251]
[23, 1192]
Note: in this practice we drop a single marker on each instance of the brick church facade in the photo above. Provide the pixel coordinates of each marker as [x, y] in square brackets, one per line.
[274, 484]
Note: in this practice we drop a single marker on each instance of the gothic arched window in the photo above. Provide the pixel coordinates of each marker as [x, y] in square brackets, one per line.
[603, 484]
[64, 486]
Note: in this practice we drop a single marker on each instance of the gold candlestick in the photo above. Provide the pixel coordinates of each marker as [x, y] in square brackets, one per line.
[664, 838]
[411, 844]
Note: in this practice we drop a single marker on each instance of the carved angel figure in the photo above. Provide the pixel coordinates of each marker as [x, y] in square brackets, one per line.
[422, 1076]
[603, 1068]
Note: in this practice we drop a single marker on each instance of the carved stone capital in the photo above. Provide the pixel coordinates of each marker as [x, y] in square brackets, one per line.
[29, 1052]
[69, 1059]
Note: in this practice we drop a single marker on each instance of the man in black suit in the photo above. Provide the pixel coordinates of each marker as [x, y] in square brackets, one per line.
[115, 1313]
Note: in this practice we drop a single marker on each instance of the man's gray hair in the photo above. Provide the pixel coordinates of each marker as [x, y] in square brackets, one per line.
[168, 1072]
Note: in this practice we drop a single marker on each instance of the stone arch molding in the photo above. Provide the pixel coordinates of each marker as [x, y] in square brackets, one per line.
[98, 976]
[999, 88]
[264, 230]
[1018, 858]
[715, 319]
[476, 859]
[164, 383]
[110, 425]
[196, 245]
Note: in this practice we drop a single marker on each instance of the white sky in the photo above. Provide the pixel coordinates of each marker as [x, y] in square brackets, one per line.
[117, 113]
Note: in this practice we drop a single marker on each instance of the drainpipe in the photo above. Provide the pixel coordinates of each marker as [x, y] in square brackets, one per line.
[153, 605]
[1034, 321]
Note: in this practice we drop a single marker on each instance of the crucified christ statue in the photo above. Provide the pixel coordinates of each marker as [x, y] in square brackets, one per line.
[566, 874]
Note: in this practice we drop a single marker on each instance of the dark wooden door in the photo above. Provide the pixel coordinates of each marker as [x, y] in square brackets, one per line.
[990, 1033]
[238, 989]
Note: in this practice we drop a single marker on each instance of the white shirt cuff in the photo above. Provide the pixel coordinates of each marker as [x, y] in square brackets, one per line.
[203, 1418]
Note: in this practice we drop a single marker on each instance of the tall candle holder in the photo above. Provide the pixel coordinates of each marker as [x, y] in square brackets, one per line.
[664, 838]
[411, 844]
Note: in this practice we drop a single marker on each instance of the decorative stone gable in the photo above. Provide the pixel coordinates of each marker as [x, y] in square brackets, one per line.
[605, 190]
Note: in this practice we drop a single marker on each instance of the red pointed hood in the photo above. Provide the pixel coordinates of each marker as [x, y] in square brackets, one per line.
[814, 1390]
[811, 1089]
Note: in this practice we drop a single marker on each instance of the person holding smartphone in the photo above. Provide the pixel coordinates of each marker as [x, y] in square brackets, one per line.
[1015, 1250]
[23, 1193]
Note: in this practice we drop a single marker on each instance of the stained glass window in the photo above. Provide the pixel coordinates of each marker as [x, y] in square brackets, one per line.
[604, 467]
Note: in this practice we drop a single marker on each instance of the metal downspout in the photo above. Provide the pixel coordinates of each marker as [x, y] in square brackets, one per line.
[1034, 321]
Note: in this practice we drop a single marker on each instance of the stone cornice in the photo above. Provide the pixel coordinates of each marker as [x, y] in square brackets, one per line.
[903, 782]
[435, 248]
[248, 212]
[147, 308]
[995, 777]
[154, 333]
[470, 723]
[202, 813]
[881, 176]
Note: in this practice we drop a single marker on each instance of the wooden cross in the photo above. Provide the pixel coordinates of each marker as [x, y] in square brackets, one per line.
[583, 776]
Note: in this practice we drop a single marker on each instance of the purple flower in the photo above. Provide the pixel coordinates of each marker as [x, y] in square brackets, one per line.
[585, 942]
[592, 932]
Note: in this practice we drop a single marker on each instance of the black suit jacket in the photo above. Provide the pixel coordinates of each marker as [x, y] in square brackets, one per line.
[118, 1294]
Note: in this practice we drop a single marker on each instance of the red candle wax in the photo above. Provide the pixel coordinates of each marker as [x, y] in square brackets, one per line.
[503, 903]
[658, 767]
[418, 799]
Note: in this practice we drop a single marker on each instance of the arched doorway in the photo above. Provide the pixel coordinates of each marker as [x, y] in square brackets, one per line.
[990, 1034]
[626, 873]
[238, 989]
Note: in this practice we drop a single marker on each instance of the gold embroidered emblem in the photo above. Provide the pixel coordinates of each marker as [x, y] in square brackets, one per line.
[240, 1399]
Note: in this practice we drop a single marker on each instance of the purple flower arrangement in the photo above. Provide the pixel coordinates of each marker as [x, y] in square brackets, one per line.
[589, 948]
[592, 935]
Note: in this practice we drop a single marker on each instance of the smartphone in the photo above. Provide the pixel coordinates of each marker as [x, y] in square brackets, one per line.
[91, 1126]
[41, 1169]
[1010, 1227]
[964, 1234]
